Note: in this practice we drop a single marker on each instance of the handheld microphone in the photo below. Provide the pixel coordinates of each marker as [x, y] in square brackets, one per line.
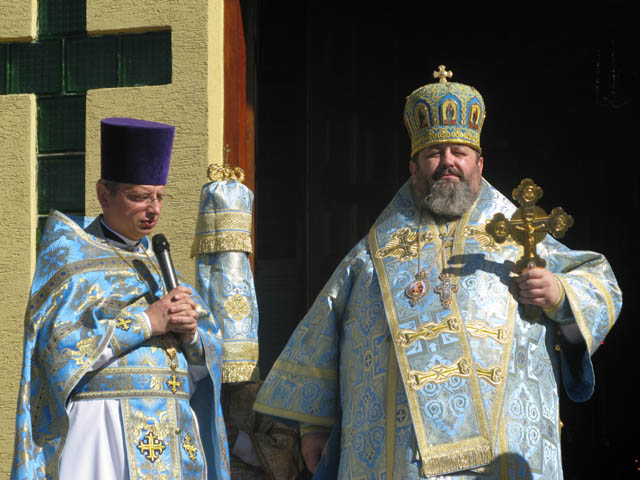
[161, 249]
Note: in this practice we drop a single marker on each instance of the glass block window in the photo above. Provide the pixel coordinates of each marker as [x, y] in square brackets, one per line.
[59, 17]
[61, 183]
[35, 67]
[3, 69]
[91, 63]
[59, 68]
[61, 123]
[145, 59]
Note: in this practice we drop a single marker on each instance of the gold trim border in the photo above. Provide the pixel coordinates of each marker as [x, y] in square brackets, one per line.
[577, 312]
[437, 460]
[296, 416]
[296, 369]
[240, 351]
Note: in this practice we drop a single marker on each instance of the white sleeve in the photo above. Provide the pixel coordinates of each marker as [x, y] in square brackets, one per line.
[243, 449]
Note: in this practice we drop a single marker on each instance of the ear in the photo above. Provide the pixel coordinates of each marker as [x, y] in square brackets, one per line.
[104, 196]
[413, 167]
[480, 164]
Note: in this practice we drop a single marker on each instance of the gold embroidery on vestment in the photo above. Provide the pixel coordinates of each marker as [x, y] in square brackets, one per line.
[482, 330]
[438, 374]
[237, 307]
[493, 375]
[124, 323]
[190, 448]
[151, 446]
[403, 244]
[173, 383]
[85, 348]
[427, 331]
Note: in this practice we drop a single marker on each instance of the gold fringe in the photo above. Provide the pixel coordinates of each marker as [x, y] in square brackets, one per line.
[240, 372]
[221, 242]
[457, 460]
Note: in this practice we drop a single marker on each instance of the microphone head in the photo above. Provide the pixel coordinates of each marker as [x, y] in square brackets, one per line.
[159, 243]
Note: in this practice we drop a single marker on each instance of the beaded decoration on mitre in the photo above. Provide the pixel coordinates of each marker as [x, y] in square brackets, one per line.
[444, 112]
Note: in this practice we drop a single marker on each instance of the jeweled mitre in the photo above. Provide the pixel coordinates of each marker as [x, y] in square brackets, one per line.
[444, 112]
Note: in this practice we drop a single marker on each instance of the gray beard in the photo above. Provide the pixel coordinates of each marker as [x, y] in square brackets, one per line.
[450, 199]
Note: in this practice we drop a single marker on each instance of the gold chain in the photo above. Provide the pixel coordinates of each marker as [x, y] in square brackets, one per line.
[443, 248]
[420, 286]
[435, 257]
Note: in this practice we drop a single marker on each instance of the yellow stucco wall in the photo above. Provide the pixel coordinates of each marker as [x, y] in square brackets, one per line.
[18, 20]
[193, 102]
[17, 250]
[17, 221]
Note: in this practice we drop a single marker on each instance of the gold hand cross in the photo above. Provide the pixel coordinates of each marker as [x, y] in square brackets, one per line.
[529, 224]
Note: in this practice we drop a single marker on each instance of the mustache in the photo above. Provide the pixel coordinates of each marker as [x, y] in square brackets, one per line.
[442, 171]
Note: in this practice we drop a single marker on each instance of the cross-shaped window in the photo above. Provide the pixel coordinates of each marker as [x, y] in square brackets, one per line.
[59, 67]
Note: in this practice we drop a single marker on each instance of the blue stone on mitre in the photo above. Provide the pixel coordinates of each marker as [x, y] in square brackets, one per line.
[135, 151]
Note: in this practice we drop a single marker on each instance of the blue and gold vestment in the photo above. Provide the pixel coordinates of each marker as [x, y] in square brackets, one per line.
[430, 389]
[221, 245]
[86, 296]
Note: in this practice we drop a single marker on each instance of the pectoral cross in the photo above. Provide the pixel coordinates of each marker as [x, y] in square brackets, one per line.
[445, 289]
[529, 224]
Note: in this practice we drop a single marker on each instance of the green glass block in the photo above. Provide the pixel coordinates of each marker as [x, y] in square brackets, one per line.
[91, 63]
[61, 124]
[145, 59]
[3, 69]
[57, 17]
[35, 67]
[61, 184]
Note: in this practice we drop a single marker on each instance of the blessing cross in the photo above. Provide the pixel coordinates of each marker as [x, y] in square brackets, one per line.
[445, 289]
[442, 74]
[529, 224]
[152, 448]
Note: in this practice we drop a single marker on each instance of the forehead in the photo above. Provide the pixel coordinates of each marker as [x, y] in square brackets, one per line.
[129, 187]
[443, 146]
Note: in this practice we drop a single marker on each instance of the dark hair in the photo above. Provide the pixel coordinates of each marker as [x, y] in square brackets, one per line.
[111, 186]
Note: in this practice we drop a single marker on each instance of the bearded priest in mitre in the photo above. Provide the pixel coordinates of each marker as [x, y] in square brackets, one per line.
[418, 358]
[111, 358]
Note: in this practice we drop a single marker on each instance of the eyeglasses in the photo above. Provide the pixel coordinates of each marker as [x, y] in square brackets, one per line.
[147, 198]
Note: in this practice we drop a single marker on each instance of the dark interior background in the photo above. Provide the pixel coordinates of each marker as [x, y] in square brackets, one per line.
[561, 90]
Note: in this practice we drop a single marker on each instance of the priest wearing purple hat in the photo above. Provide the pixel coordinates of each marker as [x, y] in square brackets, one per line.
[112, 360]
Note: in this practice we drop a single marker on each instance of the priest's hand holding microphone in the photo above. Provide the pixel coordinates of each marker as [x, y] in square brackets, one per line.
[176, 311]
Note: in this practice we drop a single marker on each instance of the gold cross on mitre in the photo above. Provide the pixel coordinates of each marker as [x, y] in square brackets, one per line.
[442, 73]
[529, 224]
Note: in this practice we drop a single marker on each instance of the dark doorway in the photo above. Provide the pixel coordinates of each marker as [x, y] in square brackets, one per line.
[561, 91]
